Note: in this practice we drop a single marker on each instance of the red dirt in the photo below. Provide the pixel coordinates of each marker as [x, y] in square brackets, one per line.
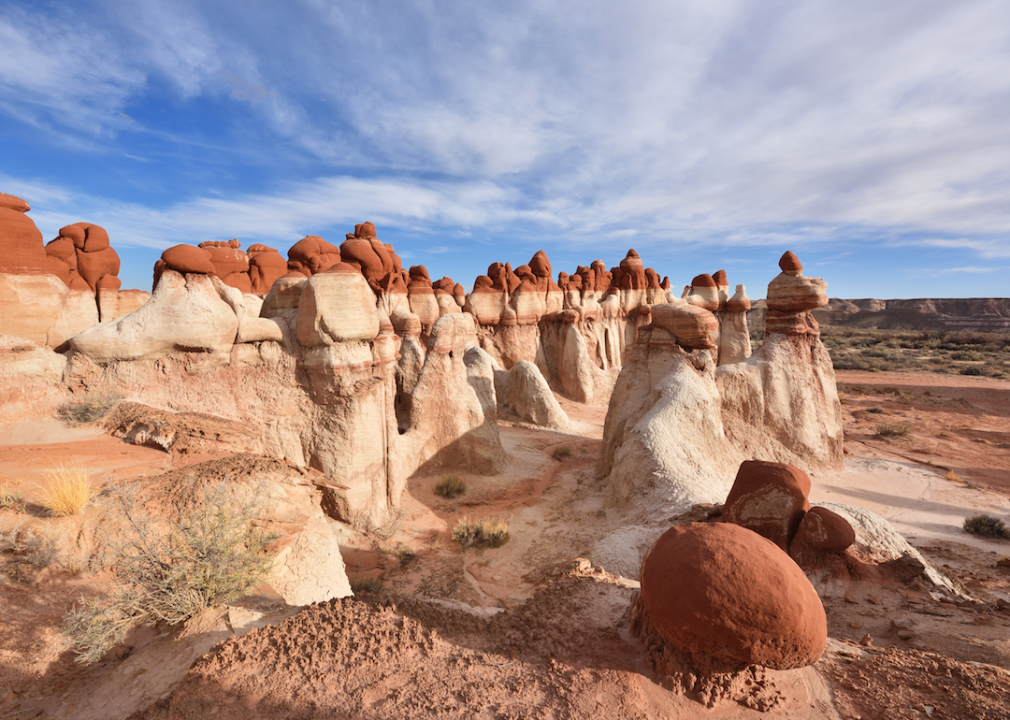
[561, 648]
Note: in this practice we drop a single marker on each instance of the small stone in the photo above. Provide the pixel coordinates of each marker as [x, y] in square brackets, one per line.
[866, 641]
[875, 599]
[855, 624]
[906, 633]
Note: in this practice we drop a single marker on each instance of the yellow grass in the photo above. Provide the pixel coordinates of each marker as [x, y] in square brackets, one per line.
[953, 476]
[487, 532]
[67, 492]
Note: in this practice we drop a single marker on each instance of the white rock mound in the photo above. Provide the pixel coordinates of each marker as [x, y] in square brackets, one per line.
[523, 391]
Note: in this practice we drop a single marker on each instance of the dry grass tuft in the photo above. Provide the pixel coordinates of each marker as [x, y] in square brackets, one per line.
[953, 477]
[450, 486]
[89, 407]
[368, 585]
[68, 491]
[486, 532]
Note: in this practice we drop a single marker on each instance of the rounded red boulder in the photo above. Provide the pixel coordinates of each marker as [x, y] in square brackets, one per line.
[823, 531]
[769, 498]
[728, 598]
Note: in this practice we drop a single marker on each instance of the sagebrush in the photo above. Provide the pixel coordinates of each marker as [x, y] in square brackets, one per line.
[26, 549]
[485, 532]
[986, 526]
[204, 551]
[562, 452]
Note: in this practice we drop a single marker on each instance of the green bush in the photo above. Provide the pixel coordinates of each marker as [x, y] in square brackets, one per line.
[986, 526]
[204, 553]
[450, 486]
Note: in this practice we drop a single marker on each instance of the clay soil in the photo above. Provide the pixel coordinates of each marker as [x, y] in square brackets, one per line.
[525, 631]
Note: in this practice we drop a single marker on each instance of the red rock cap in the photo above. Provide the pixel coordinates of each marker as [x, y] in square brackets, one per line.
[790, 264]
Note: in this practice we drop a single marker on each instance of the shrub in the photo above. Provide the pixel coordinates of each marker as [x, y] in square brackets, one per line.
[488, 532]
[953, 477]
[27, 549]
[12, 497]
[88, 408]
[367, 585]
[972, 370]
[875, 410]
[67, 491]
[450, 486]
[204, 553]
[986, 526]
[892, 430]
[562, 452]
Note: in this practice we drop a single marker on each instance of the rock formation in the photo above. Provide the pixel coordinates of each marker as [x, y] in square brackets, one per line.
[358, 387]
[49, 293]
[252, 273]
[716, 598]
[780, 404]
[523, 392]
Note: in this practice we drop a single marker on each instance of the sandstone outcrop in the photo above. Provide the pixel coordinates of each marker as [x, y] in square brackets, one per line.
[49, 293]
[717, 598]
[780, 404]
[187, 313]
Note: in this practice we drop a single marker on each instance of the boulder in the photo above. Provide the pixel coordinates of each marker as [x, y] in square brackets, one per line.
[822, 531]
[769, 498]
[725, 597]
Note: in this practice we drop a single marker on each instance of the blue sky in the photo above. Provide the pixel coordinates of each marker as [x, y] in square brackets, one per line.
[872, 139]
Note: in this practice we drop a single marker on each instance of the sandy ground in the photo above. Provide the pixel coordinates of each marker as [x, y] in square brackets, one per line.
[546, 641]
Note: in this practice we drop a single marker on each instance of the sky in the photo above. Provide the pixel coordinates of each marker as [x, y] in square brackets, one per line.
[871, 138]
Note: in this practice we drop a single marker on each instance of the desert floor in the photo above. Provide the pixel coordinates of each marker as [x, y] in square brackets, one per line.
[549, 637]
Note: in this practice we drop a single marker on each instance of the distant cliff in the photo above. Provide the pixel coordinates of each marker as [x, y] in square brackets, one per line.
[966, 314]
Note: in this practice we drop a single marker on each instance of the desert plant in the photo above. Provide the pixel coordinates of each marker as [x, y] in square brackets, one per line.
[953, 477]
[89, 407]
[12, 497]
[205, 552]
[986, 526]
[27, 549]
[972, 370]
[560, 453]
[875, 410]
[891, 430]
[367, 585]
[67, 490]
[486, 532]
[450, 486]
